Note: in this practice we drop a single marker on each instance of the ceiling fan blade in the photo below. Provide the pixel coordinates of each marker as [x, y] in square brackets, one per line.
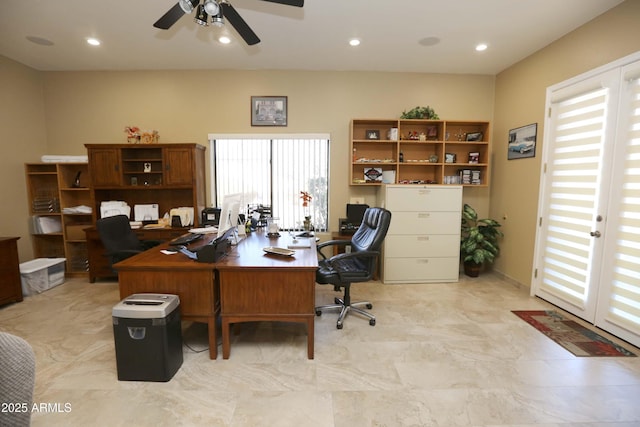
[239, 24]
[298, 3]
[169, 18]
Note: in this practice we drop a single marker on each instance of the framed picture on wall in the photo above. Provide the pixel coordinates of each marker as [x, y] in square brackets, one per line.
[522, 142]
[268, 111]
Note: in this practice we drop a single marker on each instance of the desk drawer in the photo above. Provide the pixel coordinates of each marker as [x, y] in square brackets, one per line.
[427, 245]
[272, 291]
[418, 270]
[424, 223]
[423, 198]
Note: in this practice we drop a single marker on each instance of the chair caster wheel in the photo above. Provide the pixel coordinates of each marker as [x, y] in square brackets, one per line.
[318, 313]
[369, 306]
[339, 325]
[372, 322]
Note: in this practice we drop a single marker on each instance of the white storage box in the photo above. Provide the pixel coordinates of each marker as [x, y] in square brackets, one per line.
[41, 274]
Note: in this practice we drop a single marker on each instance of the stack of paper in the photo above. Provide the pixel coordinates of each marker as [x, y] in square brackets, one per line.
[114, 207]
[45, 225]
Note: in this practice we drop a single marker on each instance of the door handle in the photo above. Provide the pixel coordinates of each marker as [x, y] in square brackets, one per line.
[595, 234]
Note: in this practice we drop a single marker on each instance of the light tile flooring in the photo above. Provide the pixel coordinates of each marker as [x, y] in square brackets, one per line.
[440, 355]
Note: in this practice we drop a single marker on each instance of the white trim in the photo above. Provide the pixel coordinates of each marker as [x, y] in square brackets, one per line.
[213, 136]
[618, 63]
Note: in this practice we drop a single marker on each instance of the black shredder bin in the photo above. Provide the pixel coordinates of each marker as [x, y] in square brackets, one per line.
[148, 337]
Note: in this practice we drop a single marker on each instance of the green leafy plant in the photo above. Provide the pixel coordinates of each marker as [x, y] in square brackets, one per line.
[479, 238]
[420, 113]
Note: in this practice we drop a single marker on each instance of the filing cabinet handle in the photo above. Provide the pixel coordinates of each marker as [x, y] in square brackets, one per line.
[423, 238]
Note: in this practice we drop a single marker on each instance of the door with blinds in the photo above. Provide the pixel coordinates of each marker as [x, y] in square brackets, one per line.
[587, 256]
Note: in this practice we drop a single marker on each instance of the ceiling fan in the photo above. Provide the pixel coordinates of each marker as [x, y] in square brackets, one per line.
[217, 10]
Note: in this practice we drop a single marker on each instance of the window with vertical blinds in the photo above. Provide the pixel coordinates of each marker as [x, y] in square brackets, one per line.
[272, 171]
[573, 171]
[624, 304]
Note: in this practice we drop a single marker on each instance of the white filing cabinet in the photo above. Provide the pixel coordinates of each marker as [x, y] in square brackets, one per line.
[423, 241]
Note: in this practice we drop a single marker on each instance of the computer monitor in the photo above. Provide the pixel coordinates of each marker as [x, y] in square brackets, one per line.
[355, 213]
[230, 212]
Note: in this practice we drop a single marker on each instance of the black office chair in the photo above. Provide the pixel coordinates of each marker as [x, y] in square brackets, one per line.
[119, 240]
[357, 266]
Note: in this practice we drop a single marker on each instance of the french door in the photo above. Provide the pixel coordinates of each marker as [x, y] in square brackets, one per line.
[587, 256]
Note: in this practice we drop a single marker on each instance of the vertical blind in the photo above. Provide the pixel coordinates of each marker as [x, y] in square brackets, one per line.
[272, 171]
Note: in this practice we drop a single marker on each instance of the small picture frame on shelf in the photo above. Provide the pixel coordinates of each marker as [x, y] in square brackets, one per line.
[372, 134]
[474, 136]
[432, 133]
[474, 157]
[146, 167]
[449, 157]
[373, 175]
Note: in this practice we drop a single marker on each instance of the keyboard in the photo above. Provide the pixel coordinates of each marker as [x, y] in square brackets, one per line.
[186, 239]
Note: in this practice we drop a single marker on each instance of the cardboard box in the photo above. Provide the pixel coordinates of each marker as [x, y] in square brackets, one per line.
[76, 232]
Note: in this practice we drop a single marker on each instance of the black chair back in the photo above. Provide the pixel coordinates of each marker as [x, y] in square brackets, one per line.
[371, 233]
[116, 234]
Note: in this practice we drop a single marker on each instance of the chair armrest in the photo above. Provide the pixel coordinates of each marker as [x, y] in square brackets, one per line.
[328, 243]
[335, 261]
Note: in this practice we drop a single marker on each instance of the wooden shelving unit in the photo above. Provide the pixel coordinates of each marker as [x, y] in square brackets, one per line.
[52, 191]
[419, 152]
[169, 175]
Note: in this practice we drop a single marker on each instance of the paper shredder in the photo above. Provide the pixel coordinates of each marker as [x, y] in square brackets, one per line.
[148, 337]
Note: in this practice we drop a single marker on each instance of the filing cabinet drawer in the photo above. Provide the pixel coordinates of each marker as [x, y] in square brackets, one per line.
[423, 198]
[419, 270]
[425, 223]
[440, 245]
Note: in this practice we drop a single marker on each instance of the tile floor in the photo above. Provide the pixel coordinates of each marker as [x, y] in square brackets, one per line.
[440, 355]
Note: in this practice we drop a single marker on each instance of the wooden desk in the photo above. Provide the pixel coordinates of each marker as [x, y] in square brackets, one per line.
[194, 282]
[99, 262]
[255, 286]
[250, 285]
[11, 286]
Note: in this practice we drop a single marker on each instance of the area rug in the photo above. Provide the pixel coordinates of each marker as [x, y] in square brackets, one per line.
[577, 339]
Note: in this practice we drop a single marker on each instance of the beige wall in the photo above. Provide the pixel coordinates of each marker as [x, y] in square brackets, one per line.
[520, 100]
[22, 139]
[185, 106]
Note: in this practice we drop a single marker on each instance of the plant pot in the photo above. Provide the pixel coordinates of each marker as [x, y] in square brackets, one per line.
[472, 269]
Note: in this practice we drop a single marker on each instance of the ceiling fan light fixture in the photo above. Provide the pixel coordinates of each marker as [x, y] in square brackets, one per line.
[211, 7]
[188, 5]
[201, 17]
[217, 19]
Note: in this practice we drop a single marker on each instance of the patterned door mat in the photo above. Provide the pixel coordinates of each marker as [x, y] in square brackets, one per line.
[577, 339]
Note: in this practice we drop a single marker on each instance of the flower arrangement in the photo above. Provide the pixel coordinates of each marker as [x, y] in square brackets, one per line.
[306, 199]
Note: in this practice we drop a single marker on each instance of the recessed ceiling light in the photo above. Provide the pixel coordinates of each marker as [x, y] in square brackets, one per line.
[93, 42]
[429, 41]
[354, 42]
[224, 39]
[481, 47]
[40, 40]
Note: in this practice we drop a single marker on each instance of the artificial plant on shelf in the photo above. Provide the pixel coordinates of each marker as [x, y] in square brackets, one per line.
[478, 241]
[420, 113]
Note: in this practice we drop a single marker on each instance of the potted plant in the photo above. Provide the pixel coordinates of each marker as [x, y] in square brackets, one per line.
[420, 113]
[478, 241]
